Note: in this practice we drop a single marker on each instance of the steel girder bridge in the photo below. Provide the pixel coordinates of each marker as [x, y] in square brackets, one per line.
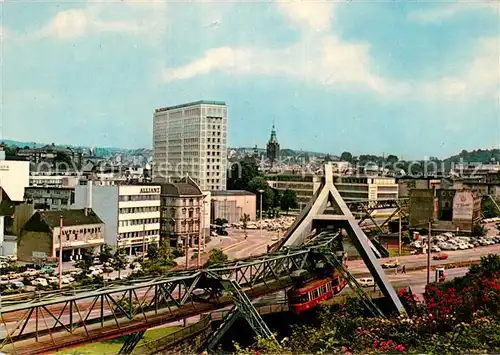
[129, 310]
[365, 210]
[118, 310]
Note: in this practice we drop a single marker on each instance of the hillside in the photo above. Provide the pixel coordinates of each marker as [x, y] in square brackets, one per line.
[476, 156]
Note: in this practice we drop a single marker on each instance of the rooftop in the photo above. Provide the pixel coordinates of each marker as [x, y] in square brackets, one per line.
[59, 188]
[187, 188]
[231, 193]
[70, 217]
[201, 102]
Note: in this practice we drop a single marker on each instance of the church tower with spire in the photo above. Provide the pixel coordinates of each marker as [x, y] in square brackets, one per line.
[273, 147]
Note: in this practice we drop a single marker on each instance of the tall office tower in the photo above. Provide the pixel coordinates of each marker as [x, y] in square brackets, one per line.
[191, 140]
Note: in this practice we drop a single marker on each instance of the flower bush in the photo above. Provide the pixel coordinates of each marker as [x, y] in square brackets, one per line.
[462, 315]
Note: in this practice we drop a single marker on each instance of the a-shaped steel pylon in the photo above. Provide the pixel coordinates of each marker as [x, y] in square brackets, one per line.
[328, 209]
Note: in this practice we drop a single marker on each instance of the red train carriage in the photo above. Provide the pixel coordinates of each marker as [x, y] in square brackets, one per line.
[310, 294]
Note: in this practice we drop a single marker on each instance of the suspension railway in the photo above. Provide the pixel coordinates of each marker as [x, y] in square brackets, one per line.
[58, 321]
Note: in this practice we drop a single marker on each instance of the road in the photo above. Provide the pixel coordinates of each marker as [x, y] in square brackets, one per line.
[416, 280]
[235, 246]
[357, 267]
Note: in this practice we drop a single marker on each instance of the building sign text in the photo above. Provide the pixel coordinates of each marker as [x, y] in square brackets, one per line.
[150, 190]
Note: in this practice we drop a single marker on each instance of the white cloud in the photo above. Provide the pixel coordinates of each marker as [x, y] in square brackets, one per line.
[325, 60]
[144, 17]
[309, 14]
[481, 78]
[320, 56]
[448, 11]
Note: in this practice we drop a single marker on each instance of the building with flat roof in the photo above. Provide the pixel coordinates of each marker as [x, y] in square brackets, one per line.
[14, 177]
[51, 180]
[50, 198]
[191, 140]
[131, 213]
[41, 234]
[351, 188]
[232, 205]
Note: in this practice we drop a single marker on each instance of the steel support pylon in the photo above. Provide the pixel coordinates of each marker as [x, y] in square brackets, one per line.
[243, 308]
[131, 342]
[328, 208]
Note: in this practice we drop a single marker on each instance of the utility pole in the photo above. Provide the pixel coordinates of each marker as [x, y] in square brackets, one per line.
[60, 250]
[144, 239]
[429, 252]
[261, 193]
[399, 236]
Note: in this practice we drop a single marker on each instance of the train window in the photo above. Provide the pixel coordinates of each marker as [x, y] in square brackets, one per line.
[335, 282]
[300, 298]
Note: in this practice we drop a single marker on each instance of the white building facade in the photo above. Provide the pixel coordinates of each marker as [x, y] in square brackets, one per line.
[14, 177]
[191, 140]
[131, 213]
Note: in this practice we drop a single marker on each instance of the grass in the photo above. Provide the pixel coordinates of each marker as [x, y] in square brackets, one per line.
[113, 346]
[394, 252]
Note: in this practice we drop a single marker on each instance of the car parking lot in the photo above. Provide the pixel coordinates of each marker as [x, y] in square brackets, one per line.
[450, 242]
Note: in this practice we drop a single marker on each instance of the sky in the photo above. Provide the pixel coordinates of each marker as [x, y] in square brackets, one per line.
[415, 79]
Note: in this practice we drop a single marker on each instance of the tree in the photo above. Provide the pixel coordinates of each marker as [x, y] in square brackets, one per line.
[216, 257]
[245, 219]
[488, 208]
[288, 200]
[277, 198]
[62, 159]
[241, 173]
[392, 159]
[220, 221]
[105, 254]
[119, 260]
[478, 230]
[153, 252]
[346, 156]
[164, 251]
[86, 261]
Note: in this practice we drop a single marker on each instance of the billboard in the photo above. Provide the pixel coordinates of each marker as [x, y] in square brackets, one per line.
[463, 205]
[421, 207]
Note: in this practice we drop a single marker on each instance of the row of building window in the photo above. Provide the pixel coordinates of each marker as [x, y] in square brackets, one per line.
[125, 198]
[139, 209]
[135, 222]
[139, 234]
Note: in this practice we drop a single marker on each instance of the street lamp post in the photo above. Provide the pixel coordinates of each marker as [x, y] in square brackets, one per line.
[260, 209]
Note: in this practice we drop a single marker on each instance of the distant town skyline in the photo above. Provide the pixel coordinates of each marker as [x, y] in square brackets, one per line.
[410, 79]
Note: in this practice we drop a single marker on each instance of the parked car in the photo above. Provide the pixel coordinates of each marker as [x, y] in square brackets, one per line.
[52, 280]
[366, 282]
[4, 280]
[17, 284]
[39, 282]
[440, 256]
[11, 258]
[30, 272]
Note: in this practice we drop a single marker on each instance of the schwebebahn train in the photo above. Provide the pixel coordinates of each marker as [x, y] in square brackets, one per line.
[306, 295]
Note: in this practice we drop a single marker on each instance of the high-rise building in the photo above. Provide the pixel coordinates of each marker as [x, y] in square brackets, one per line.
[191, 140]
